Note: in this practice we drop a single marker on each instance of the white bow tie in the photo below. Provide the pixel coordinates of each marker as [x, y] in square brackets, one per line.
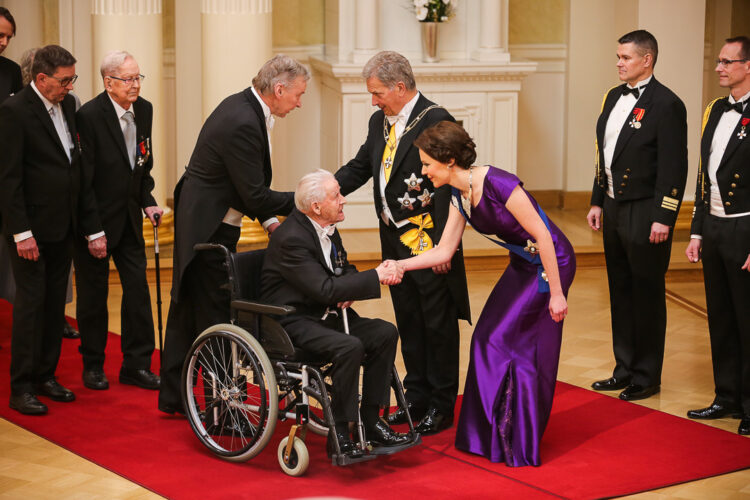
[326, 231]
[392, 120]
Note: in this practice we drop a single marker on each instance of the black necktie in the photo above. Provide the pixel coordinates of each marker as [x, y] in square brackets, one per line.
[737, 106]
[635, 91]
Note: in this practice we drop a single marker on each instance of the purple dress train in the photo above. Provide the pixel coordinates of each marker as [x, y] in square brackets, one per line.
[515, 349]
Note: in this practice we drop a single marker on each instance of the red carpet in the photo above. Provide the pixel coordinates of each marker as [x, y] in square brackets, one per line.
[595, 446]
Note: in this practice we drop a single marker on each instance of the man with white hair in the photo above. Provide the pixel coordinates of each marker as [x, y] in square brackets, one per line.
[306, 267]
[228, 176]
[115, 130]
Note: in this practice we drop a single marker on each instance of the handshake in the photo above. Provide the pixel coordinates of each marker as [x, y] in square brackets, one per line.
[390, 272]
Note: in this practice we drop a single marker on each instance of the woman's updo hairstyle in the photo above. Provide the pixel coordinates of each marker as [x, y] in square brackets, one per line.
[445, 141]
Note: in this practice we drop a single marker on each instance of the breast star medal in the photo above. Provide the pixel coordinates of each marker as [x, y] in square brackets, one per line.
[413, 183]
[425, 198]
[407, 201]
[530, 247]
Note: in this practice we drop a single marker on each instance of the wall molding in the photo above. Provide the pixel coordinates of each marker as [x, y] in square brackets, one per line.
[551, 57]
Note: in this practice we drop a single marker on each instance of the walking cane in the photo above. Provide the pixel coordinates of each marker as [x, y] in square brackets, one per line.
[158, 285]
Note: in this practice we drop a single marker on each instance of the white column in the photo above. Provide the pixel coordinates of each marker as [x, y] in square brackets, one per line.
[366, 35]
[493, 32]
[188, 77]
[74, 21]
[136, 27]
[237, 40]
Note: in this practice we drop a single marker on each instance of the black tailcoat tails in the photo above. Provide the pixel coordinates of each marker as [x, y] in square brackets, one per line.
[427, 305]
[725, 247]
[230, 167]
[295, 273]
[121, 194]
[41, 191]
[649, 170]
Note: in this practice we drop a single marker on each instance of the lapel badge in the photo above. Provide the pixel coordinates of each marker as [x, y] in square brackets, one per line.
[638, 113]
[742, 134]
[413, 183]
[425, 198]
[674, 191]
[144, 151]
[406, 201]
[530, 247]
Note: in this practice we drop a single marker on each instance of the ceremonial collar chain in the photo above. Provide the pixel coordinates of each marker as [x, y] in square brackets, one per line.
[409, 126]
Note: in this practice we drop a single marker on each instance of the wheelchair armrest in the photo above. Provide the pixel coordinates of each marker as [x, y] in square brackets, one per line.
[256, 307]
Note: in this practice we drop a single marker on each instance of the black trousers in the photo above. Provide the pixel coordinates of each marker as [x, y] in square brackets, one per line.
[202, 303]
[92, 288]
[371, 342]
[635, 271]
[39, 305]
[427, 319]
[726, 245]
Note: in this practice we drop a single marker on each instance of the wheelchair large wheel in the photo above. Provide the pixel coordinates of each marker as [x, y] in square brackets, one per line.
[317, 423]
[229, 390]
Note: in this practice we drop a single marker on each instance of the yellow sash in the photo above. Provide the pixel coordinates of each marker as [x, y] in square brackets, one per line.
[417, 238]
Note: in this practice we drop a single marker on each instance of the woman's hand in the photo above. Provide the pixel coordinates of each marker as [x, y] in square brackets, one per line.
[558, 307]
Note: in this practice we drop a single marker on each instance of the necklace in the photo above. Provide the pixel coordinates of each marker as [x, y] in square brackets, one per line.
[466, 203]
[409, 126]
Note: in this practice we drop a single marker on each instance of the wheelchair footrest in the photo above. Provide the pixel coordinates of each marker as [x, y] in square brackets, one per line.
[390, 450]
[348, 460]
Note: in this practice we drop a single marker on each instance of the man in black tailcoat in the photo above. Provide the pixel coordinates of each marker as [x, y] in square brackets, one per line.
[229, 175]
[117, 159]
[45, 205]
[641, 169]
[720, 234]
[412, 214]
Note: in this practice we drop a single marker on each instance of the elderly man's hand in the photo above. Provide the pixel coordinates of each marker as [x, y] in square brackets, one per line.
[98, 247]
[28, 249]
[390, 272]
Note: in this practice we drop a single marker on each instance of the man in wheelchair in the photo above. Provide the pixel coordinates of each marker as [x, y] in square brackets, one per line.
[306, 267]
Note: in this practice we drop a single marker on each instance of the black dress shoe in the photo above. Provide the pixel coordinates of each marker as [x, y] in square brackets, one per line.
[381, 434]
[399, 416]
[611, 384]
[69, 332]
[144, 379]
[714, 411]
[634, 392]
[744, 427]
[95, 379]
[434, 421]
[55, 391]
[171, 409]
[346, 445]
[27, 404]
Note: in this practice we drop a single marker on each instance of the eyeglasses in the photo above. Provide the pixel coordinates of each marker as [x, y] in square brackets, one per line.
[64, 82]
[727, 62]
[131, 80]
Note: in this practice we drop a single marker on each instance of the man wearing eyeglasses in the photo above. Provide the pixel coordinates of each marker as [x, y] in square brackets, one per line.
[45, 206]
[229, 175]
[720, 234]
[641, 170]
[117, 158]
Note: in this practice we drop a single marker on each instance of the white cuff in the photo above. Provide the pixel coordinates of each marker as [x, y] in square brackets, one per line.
[268, 222]
[94, 236]
[696, 237]
[22, 236]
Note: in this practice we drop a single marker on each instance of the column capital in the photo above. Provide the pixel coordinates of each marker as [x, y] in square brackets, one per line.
[236, 7]
[125, 7]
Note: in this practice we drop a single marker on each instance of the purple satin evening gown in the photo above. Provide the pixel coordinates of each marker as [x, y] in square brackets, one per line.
[515, 349]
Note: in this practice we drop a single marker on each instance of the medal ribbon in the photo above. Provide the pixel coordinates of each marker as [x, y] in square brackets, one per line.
[417, 238]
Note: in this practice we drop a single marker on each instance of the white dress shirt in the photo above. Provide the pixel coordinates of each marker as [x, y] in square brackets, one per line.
[324, 234]
[399, 121]
[622, 109]
[234, 217]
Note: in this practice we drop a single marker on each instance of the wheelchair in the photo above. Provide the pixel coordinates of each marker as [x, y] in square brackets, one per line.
[239, 379]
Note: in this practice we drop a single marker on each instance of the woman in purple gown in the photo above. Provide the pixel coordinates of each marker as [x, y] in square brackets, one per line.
[516, 344]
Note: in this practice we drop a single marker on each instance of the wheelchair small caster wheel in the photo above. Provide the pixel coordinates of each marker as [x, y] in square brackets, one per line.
[298, 460]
